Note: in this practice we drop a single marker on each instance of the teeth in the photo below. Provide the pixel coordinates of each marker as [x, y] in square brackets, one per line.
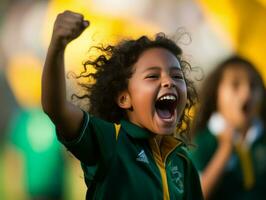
[168, 97]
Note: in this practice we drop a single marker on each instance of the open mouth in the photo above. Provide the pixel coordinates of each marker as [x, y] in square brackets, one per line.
[166, 105]
[246, 108]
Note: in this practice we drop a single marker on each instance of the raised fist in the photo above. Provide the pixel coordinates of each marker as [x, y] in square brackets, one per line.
[68, 26]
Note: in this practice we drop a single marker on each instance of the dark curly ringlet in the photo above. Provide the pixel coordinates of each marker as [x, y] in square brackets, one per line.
[114, 67]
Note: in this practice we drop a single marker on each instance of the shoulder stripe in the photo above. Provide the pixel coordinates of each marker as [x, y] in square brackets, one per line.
[117, 129]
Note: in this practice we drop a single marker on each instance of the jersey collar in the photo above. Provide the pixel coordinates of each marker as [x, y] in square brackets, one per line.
[135, 131]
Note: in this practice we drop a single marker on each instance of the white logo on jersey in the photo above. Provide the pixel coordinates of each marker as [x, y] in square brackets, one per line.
[177, 177]
[142, 157]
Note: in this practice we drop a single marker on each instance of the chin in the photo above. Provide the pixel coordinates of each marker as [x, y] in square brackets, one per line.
[166, 132]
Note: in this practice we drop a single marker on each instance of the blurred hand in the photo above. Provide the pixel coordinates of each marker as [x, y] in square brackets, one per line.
[67, 27]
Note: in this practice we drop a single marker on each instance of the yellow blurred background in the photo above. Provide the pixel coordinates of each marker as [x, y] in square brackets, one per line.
[217, 29]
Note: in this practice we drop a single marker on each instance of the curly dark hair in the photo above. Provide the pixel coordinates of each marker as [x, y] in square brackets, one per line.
[114, 67]
[208, 93]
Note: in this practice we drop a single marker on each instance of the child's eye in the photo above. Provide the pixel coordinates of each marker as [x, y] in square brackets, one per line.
[152, 76]
[177, 76]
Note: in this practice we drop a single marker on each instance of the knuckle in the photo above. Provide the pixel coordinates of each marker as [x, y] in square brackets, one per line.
[80, 16]
[67, 11]
[78, 23]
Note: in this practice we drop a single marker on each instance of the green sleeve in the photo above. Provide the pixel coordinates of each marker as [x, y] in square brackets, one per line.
[96, 143]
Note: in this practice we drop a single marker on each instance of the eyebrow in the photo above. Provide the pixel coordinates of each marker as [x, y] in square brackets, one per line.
[177, 68]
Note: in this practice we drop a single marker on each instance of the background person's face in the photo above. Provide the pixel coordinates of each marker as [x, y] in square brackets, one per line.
[238, 97]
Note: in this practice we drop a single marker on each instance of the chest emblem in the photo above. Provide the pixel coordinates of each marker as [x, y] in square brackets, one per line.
[141, 157]
[177, 178]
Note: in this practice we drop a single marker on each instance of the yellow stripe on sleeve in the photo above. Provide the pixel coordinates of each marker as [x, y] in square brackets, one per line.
[117, 129]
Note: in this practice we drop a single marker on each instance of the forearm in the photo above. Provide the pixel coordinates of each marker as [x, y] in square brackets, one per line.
[53, 82]
[66, 116]
[214, 170]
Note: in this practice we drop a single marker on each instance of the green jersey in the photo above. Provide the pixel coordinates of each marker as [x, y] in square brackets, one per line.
[232, 183]
[124, 162]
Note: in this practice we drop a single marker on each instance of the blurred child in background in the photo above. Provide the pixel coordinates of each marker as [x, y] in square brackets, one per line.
[229, 132]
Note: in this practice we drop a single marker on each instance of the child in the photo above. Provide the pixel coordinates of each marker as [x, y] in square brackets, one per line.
[230, 133]
[140, 86]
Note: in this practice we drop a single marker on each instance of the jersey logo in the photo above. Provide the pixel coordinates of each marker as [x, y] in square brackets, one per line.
[177, 178]
[142, 157]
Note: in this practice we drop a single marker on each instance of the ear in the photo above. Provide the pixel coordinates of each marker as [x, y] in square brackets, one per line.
[123, 100]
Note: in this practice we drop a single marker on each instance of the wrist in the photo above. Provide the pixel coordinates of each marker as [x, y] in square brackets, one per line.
[57, 44]
[225, 146]
[56, 48]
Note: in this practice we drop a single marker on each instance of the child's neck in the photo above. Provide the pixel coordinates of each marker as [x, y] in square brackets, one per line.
[158, 139]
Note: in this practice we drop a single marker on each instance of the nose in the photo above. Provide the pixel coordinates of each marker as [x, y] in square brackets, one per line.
[168, 82]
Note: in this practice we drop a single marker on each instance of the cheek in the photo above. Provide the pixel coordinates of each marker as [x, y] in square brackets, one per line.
[141, 96]
[183, 92]
[183, 97]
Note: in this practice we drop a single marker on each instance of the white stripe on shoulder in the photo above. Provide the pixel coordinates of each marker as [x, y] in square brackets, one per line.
[82, 131]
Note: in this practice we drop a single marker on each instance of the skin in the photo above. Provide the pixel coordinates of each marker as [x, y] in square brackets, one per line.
[156, 73]
[236, 89]
[67, 117]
